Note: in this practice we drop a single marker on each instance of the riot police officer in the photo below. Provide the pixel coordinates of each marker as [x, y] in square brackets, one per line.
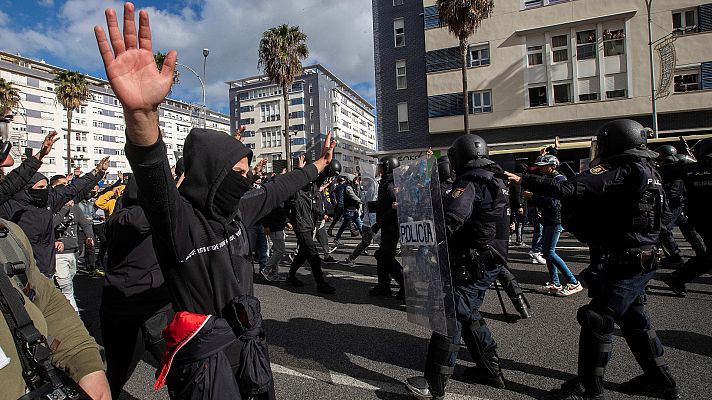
[387, 265]
[616, 208]
[669, 164]
[477, 229]
[697, 178]
[506, 277]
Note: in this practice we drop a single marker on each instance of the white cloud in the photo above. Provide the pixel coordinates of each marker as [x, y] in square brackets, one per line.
[339, 36]
[46, 3]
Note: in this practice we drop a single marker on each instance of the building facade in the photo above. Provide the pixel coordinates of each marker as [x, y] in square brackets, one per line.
[537, 69]
[97, 127]
[319, 103]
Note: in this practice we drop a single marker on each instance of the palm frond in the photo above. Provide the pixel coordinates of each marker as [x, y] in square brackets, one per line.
[9, 97]
[71, 89]
[464, 17]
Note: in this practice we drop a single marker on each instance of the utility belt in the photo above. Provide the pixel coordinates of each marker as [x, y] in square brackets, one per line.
[638, 259]
[470, 266]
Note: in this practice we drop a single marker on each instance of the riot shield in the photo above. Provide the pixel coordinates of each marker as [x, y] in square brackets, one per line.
[428, 286]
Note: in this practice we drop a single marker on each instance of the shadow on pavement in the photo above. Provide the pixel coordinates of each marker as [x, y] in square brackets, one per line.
[691, 342]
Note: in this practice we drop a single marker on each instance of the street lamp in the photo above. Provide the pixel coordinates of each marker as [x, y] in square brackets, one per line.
[202, 84]
[205, 108]
[649, 4]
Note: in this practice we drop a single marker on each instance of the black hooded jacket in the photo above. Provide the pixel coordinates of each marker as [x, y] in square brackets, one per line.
[132, 266]
[204, 256]
[37, 222]
[386, 215]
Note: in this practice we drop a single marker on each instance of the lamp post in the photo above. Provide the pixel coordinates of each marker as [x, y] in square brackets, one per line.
[649, 5]
[205, 107]
[202, 84]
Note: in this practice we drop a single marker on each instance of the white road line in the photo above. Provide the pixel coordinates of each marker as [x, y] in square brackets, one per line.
[345, 380]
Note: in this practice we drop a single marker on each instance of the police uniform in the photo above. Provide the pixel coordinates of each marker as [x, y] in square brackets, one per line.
[477, 227]
[615, 208]
[698, 184]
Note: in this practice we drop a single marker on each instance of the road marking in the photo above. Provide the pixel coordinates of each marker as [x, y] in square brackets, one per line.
[340, 379]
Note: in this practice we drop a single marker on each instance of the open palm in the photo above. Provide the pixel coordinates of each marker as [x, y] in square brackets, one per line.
[129, 63]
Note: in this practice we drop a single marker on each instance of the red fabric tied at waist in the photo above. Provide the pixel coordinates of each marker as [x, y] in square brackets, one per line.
[184, 326]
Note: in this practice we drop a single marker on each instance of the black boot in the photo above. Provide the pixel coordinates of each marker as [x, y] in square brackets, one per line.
[522, 305]
[656, 381]
[487, 371]
[438, 368]
[594, 353]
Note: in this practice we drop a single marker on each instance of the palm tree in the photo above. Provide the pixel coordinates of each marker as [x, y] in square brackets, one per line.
[281, 52]
[72, 91]
[9, 97]
[463, 18]
[159, 58]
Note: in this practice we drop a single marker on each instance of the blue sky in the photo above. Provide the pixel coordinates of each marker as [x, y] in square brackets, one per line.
[60, 32]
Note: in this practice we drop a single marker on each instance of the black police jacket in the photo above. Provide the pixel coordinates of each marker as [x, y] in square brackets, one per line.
[615, 205]
[386, 215]
[698, 187]
[477, 213]
[673, 184]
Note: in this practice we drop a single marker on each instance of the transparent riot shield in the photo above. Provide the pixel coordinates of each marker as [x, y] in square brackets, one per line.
[428, 286]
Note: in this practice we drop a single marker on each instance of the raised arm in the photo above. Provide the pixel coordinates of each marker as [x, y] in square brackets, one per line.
[547, 186]
[255, 204]
[16, 179]
[133, 74]
[79, 188]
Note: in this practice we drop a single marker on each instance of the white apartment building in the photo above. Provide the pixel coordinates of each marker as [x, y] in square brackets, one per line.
[319, 103]
[97, 127]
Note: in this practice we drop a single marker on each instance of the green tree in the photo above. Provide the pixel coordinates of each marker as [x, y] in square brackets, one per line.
[160, 58]
[281, 52]
[463, 18]
[72, 91]
[9, 97]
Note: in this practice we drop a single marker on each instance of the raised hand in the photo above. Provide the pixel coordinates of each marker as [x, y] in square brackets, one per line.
[513, 178]
[103, 165]
[327, 153]
[47, 144]
[238, 133]
[302, 161]
[133, 74]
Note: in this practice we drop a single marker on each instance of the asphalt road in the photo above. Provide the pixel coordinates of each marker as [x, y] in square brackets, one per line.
[353, 346]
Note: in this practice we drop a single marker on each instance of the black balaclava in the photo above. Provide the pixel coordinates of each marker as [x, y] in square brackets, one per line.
[38, 197]
[229, 193]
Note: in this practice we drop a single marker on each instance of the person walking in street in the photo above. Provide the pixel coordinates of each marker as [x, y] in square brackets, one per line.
[617, 209]
[550, 209]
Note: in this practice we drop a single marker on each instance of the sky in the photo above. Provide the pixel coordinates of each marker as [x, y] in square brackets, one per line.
[339, 36]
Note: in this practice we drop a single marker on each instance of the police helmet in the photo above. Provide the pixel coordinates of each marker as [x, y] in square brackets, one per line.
[389, 163]
[623, 136]
[667, 154]
[703, 148]
[468, 149]
[331, 170]
[444, 169]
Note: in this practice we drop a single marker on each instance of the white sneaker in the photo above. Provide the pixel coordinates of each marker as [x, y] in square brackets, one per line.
[572, 289]
[537, 258]
[550, 288]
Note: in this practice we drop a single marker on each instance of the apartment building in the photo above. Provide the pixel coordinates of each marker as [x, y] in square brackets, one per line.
[97, 127]
[319, 103]
[537, 69]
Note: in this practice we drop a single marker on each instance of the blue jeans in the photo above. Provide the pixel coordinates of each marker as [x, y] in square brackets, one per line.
[349, 216]
[549, 238]
[536, 223]
[259, 242]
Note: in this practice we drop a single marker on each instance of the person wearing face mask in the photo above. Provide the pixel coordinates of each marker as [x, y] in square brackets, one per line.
[200, 229]
[67, 222]
[34, 207]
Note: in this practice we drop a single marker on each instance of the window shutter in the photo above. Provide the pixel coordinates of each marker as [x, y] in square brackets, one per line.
[704, 17]
[616, 82]
[706, 75]
[588, 85]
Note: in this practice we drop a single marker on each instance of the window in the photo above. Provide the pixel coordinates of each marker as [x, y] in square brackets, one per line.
[269, 112]
[401, 81]
[684, 21]
[403, 117]
[397, 2]
[50, 160]
[687, 81]
[586, 45]
[560, 48]
[297, 101]
[612, 94]
[537, 96]
[247, 109]
[247, 121]
[533, 3]
[562, 93]
[481, 102]
[616, 85]
[535, 55]
[479, 55]
[614, 42]
[588, 97]
[311, 89]
[399, 31]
